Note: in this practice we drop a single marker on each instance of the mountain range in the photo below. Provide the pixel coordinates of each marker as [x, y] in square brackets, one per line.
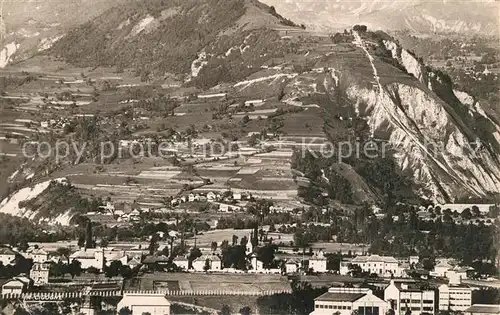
[418, 16]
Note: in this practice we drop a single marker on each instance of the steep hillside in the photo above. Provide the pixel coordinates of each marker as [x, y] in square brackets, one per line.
[181, 37]
[33, 26]
[420, 16]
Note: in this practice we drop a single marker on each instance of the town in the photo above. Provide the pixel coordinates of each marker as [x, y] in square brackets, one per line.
[214, 157]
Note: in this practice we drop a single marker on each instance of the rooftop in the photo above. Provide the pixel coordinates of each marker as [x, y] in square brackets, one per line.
[484, 308]
[6, 251]
[374, 258]
[339, 297]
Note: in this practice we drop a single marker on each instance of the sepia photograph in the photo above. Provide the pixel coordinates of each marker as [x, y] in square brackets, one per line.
[249, 157]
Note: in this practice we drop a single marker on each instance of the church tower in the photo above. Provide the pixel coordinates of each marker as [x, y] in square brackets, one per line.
[249, 247]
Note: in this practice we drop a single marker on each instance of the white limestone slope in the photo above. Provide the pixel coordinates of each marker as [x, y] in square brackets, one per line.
[427, 138]
[10, 205]
[7, 53]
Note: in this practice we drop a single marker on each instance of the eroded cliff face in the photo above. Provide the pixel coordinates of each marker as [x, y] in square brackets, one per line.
[429, 141]
[408, 61]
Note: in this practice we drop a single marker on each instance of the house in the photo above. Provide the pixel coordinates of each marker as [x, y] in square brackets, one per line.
[413, 260]
[402, 297]
[191, 197]
[441, 268]
[456, 298]
[345, 301]
[117, 256]
[292, 266]
[7, 255]
[145, 303]
[108, 208]
[213, 262]
[383, 266]
[181, 262]
[38, 255]
[89, 257]
[134, 262]
[457, 274]
[483, 309]
[211, 196]
[257, 265]
[318, 262]
[40, 273]
[237, 196]
[254, 102]
[16, 285]
[228, 208]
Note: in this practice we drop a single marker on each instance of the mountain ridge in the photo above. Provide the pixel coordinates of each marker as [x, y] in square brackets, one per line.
[455, 16]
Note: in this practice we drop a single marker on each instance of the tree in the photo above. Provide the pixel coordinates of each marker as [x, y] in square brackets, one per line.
[59, 270]
[466, 214]
[114, 269]
[206, 268]
[214, 246]
[93, 270]
[193, 254]
[153, 244]
[64, 252]
[475, 211]
[89, 239]
[23, 246]
[272, 228]
[75, 268]
[245, 310]
[266, 254]
[125, 311]
[360, 28]
[225, 310]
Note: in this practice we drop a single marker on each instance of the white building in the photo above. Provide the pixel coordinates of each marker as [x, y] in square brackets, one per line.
[89, 257]
[401, 298]
[16, 285]
[7, 255]
[38, 255]
[254, 102]
[454, 297]
[318, 262]
[211, 196]
[457, 274]
[214, 263]
[441, 268]
[181, 262]
[292, 266]
[383, 266]
[40, 273]
[346, 300]
[142, 303]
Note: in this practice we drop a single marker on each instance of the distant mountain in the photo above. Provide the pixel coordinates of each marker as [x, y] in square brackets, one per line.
[33, 26]
[179, 37]
[460, 16]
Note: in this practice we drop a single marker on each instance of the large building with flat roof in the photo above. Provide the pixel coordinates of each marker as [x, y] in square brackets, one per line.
[483, 309]
[345, 301]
